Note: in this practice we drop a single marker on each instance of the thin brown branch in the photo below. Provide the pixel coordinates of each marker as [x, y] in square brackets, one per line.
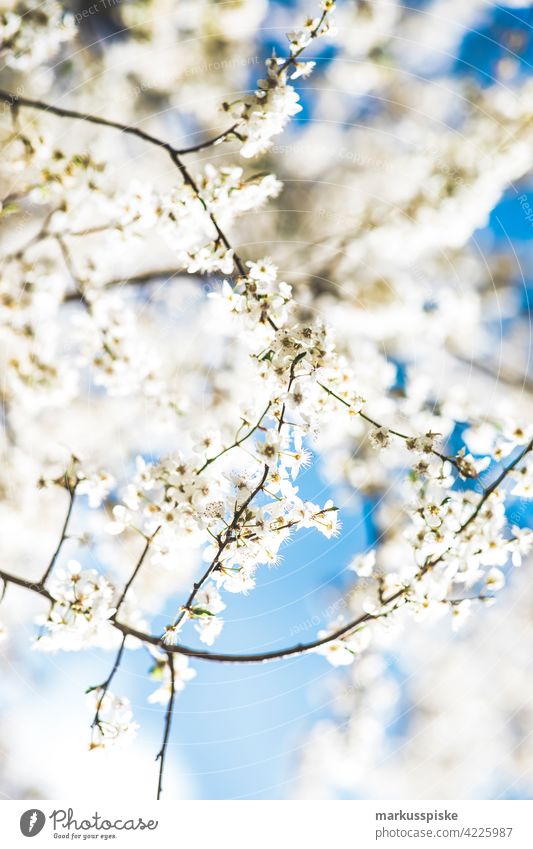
[190, 181]
[236, 443]
[496, 371]
[106, 684]
[143, 279]
[224, 541]
[71, 489]
[195, 148]
[486, 494]
[135, 572]
[173, 152]
[291, 60]
[397, 433]
[168, 722]
[14, 101]
[34, 586]
[39, 236]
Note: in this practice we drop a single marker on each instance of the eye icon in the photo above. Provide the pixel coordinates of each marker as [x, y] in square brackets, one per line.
[32, 822]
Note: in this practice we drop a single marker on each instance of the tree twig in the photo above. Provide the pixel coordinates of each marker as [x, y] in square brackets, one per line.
[71, 488]
[276, 654]
[237, 441]
[14, 101]
[106, 684]
[135, 572]
[518, 381]
[168, 722]
[397, 433]
[223, 543]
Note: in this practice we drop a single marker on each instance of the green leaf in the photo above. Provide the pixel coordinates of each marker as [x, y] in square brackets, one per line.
[200, 611]
[156, 671]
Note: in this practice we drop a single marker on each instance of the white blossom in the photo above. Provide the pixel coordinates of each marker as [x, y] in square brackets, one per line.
[161, 672]
[80, 614]
[523, 476]
[114, 720]
[363, 564]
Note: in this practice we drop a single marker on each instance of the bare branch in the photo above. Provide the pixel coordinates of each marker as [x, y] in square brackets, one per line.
[14, 101]
[71, 488]
[168, 722]
[106, 684]
[135, 572]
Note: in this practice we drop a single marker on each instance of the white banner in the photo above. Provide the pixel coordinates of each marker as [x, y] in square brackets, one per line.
[276, 825]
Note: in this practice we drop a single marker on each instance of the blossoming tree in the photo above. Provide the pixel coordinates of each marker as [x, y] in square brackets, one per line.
[164, 386]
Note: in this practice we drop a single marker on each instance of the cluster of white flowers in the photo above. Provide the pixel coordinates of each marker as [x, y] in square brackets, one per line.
[453, 546]
[161, 672]
[275, 101]
[109, 343]
[80, 614]
[107, 333]
[523, 487]
[456, 700]
[30, 291]
[95, 485]
[239, 512]
[462, 556]
[343, 652]
[184, 215]
[200, 500]
[207, 605]
[31, 35]
[283, 369]
[296, 355]
[113, 724]
[46, 173]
